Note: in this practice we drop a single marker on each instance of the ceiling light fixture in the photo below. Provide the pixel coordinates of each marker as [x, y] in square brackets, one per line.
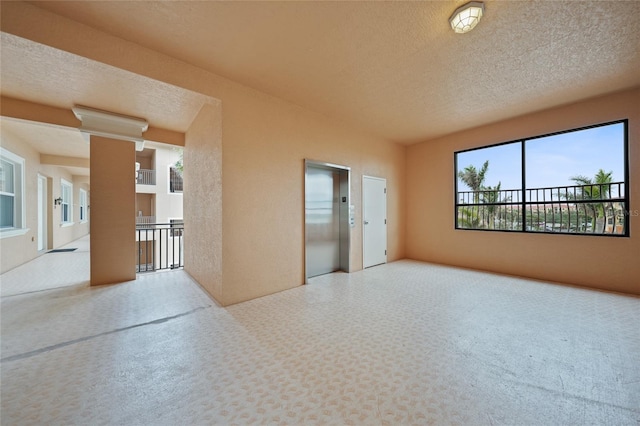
[466, 17]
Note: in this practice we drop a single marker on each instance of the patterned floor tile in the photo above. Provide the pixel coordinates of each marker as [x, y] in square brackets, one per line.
[406, 343]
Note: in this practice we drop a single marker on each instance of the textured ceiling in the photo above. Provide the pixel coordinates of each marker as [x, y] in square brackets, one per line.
[393, 68]
[68, 80]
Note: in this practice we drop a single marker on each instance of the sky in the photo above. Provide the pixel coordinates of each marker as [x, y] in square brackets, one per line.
[551, 160]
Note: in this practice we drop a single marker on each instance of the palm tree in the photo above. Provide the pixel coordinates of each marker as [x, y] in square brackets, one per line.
[491, 196]
[474, 179]
[597, 188]
[468, 217]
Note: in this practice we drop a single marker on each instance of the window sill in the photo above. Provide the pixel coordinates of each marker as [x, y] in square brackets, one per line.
[67, 224]
[13, 232]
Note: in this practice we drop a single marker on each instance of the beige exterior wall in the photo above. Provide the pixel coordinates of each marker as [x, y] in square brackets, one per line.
[599, 262]
[20, 249]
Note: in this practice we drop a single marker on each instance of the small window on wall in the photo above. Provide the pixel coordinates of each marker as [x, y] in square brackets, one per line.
[175, 180]
[66, 207]
[12, 209]
[572, 182]
[83, 205]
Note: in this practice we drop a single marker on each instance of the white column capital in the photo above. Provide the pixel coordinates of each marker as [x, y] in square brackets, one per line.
[110, 125]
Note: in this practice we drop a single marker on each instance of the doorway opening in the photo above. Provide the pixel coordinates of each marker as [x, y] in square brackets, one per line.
[159, 208]
[327, 218]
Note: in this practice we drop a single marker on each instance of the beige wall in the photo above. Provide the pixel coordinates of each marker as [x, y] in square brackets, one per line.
[145, 162]
[244, 193]
[203, 200]
[265, 142]
[599, 262]
[19, 249]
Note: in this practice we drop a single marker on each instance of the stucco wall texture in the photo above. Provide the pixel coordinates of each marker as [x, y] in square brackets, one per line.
[202, 200]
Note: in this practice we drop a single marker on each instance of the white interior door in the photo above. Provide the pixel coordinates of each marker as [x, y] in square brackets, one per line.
[42, 213]
[374, 215]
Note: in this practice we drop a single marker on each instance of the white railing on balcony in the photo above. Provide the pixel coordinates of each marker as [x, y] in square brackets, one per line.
[145, 220]
[146, 177]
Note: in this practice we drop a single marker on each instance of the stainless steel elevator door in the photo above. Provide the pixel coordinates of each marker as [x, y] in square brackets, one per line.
[322, 220]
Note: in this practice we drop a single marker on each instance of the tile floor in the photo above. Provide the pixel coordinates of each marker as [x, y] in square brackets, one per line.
[402, 343]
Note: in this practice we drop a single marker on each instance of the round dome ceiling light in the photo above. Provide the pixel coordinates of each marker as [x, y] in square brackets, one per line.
[466, 17]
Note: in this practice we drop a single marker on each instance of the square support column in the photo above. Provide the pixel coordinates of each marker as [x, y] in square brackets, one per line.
[113, 221]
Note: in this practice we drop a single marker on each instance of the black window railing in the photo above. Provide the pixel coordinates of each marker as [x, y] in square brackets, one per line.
[175, 180]
[160, 246]
[599, 209]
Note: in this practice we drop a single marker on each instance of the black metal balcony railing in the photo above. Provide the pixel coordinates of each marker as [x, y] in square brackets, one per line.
[579, 209]
[160, 246]
[146, 177]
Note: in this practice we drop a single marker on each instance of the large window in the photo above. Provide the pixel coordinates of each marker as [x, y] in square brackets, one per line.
[12, 212]
[66, 210]
[573, 182]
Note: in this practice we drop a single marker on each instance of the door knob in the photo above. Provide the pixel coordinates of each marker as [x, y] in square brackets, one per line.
[366, 222]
